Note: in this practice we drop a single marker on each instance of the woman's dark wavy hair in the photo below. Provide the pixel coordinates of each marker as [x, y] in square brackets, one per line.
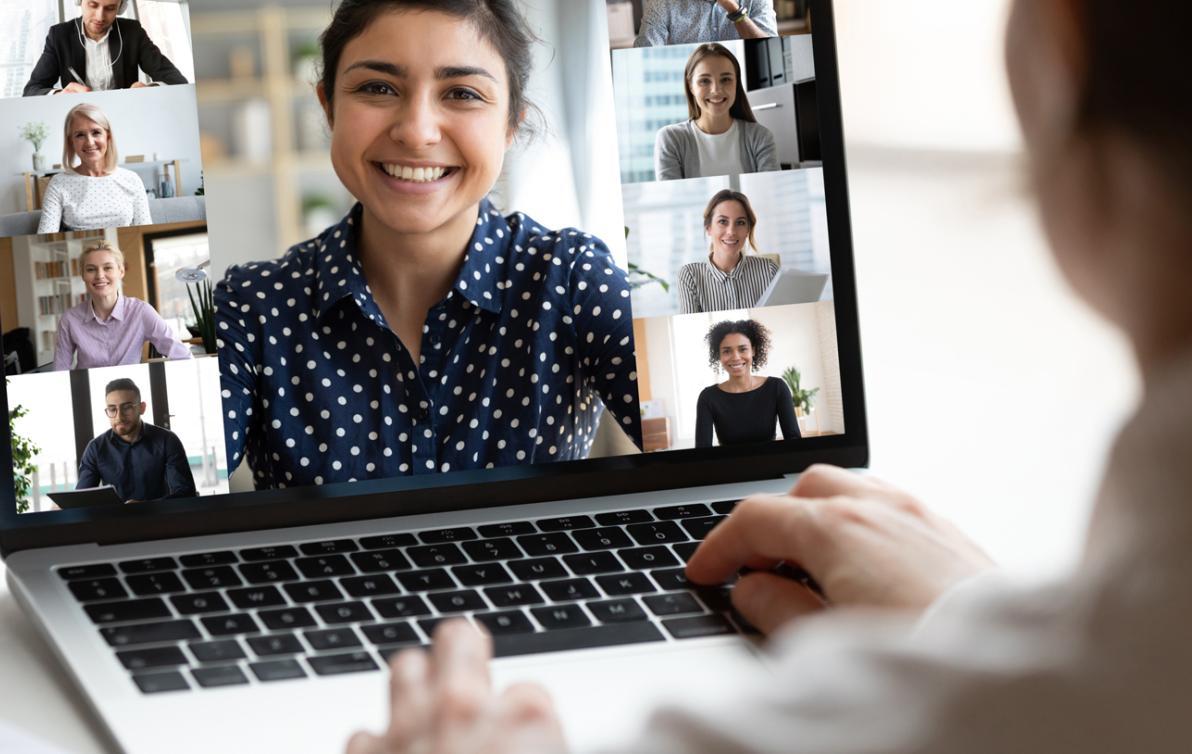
[740, 109]
[498, 21]
[758, 334]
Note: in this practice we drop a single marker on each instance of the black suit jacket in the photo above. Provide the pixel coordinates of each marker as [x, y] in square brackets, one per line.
[134, 47]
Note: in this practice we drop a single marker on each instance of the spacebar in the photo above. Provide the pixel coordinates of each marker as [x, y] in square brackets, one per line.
[508, 645]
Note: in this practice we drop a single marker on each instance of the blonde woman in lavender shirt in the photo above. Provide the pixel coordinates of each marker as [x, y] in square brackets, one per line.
[108, 328]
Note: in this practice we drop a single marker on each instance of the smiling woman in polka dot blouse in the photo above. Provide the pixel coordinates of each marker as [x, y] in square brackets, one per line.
[426, 332]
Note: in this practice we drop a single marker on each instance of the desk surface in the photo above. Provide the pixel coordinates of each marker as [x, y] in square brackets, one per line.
[992, 394]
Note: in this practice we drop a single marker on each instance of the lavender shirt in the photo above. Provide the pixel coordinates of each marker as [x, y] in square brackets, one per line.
[118, 340]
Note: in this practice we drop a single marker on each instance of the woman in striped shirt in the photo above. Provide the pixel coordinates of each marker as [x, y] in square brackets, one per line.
[730, 278]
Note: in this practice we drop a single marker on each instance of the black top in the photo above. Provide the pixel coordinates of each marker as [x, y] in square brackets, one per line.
[745, 417]
[152, 468]
[128, 44]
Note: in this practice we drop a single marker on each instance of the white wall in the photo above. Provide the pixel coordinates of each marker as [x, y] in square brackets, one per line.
[161, 119]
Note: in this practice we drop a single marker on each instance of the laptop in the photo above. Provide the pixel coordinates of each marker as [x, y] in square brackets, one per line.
[242, 619]
[792, 286]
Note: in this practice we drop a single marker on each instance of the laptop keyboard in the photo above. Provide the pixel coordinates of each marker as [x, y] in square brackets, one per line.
[281, 612]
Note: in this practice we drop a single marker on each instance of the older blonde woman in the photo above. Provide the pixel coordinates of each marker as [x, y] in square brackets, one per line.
[94, 192]
[108, 328]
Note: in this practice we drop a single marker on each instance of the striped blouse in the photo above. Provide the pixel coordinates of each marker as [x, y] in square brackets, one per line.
[704, 288]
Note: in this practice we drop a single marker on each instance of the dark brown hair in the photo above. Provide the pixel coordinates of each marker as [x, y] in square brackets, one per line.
[498, 21]
[122, 383]
[758, 334]
[728, 195]
[740, 109]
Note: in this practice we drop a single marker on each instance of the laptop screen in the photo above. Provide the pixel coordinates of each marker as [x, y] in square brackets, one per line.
[454, 243]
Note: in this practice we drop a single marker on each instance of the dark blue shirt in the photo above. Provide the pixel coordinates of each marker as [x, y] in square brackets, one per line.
[152, 468]
[517, 362]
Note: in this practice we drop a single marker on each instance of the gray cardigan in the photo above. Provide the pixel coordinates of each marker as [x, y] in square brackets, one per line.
[676, 151]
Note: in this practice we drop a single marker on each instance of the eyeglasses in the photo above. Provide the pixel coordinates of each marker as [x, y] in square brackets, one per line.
[127, 409]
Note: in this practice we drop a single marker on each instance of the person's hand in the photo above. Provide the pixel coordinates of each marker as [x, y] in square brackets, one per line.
[866, 544]
[445, 702]
[74, 87]
[138, 85]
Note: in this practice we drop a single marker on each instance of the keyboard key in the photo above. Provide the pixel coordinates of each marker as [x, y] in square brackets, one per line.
[277, 670]
[697, 626]
[203, 559]
[95, 571]
[505, 622]
[458, 602]
[287, 617]
[332, 638]
[230, 625]
[565, 523]
[640, 558]
[456, 534]
[506, 529]
[483, 550]
[274, 552]
[388, 541]
[313, 591]
[215, 577]
[561, 616]
[351, 662]
[725, 507]
[268, 572]
[436, 555]
[686, 549]
[604, 538]
[256, 596]
[482, 574]
[224, 650]
[538, 568]
[698, 528]
[391, 633]
[126, 610]
[715, 598]
[617, 611]
[593, 562]
[381, 560]
[625, 583]
[376, 585]
[199, 603]
[691, 510]
[659, 532]
[146, 565]
[275, 644]
[155, 657]
[90, 590]
[672, 604]
[344, 612]
[672, 578]
[323, 566]
[156, 683]
[510, 596]
[569, 589]
[224, 675]
[401, 607]
[557, 543]
[154, 583]
[422, 581]
[328, 547]
[509, 645]
[620, 518]
[150, 633]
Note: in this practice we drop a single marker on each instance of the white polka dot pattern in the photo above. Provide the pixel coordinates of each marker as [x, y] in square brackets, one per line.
[517, 362]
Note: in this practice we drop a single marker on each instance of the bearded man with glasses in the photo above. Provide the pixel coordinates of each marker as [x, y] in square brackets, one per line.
[142, 461]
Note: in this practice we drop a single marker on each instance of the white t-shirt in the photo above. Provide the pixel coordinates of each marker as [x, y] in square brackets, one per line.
[81, 202]
[719, 154]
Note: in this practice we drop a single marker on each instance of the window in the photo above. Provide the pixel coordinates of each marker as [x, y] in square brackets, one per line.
[167, 24]
[166, 255]
[28, 22]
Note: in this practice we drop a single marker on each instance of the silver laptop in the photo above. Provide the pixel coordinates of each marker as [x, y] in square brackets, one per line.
[255, 609]
[792, 286]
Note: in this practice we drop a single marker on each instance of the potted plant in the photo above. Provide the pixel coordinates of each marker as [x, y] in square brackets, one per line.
[202, 304]
[640, 277]
[36, 134]
[23, 452]
[802, 398]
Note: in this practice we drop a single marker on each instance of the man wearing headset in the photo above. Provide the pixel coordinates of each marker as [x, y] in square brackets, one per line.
[99, 51]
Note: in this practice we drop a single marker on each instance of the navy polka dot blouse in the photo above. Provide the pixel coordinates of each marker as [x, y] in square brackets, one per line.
[518, 361]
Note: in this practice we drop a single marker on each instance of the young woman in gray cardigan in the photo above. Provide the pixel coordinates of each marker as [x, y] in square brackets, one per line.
[722, 137]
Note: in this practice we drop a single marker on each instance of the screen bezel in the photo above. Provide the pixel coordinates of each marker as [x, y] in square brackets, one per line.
[511, 485]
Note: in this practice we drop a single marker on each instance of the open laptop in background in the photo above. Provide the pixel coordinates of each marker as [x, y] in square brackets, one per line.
[260, 620]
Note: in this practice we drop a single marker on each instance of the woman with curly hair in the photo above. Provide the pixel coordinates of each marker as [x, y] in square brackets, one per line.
[745, 407]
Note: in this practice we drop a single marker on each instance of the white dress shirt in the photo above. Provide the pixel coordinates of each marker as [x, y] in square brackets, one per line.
[100, 76]
[1101, 662]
